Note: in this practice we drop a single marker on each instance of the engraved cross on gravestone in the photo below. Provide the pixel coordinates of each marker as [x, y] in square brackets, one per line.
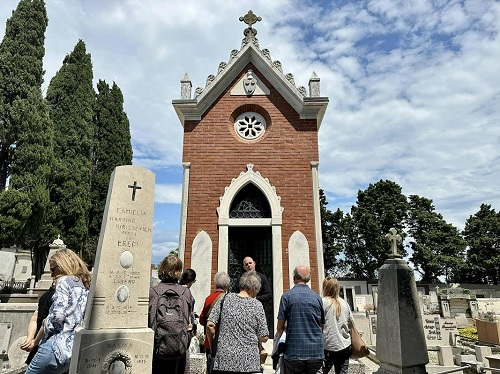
[394, 238]
[134, 187]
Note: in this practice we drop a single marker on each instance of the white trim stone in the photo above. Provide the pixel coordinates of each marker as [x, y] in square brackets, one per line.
[275, 222]
[184, 206]
[317, 224]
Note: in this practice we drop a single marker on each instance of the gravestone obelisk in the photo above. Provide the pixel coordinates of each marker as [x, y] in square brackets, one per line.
[401, 344]
[115, 337]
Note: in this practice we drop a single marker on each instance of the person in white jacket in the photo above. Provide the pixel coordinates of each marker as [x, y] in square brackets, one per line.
[336, 331]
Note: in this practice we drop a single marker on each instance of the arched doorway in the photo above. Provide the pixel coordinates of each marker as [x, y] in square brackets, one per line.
[253, 241]
[250, 225]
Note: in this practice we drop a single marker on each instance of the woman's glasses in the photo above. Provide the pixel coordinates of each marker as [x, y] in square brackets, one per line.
[53, 270]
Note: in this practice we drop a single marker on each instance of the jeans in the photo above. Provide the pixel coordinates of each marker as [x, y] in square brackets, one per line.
[45, 361]
[313, 366]
[337, 359]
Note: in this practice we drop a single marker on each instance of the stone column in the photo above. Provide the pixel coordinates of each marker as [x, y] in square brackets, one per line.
[401, 344]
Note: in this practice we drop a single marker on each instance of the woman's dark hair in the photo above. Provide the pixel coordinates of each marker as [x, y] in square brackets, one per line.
[188, 276]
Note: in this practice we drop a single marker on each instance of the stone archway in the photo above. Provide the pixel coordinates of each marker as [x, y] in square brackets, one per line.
[273, 222]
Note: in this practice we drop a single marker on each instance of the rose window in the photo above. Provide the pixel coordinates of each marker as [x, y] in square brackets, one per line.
[250, 125]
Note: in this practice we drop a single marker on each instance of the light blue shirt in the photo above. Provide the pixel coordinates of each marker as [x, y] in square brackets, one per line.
[66, 314]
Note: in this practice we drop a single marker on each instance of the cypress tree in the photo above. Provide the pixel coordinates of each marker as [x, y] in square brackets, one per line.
[21, 69]
[71, 98]
[31, 168]
[112, 147]
[26, 131]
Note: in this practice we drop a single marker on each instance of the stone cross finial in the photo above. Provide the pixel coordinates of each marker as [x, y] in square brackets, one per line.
[394, 238]
[250, 19]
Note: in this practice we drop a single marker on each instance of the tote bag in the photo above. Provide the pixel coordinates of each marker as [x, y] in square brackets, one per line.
[359, 348]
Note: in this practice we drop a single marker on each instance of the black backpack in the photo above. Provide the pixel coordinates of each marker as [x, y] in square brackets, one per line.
[171, 324]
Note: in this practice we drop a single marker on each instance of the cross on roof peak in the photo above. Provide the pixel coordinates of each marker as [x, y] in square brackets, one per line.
[250, 19]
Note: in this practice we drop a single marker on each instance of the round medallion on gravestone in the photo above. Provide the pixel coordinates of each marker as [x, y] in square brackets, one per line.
[17, 356]
[117, 367]
[126, 259]
[122, 294]
[117, 362]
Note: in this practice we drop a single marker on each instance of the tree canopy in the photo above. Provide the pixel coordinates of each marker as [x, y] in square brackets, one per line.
[26, 136]
[56, 153]
[355, 244]
[378, 208]
[70, 97]
[112, 147]
[437, 246]
[21, 70]
[482, 234]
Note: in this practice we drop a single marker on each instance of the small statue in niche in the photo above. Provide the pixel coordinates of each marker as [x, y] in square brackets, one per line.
[249, 83]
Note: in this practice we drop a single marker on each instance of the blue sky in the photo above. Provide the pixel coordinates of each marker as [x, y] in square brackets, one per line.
[414, 87]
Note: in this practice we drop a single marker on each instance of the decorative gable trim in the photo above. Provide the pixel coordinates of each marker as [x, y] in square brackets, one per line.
[306, 107]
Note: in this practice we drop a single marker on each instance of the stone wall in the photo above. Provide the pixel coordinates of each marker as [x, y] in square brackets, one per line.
[17, 315]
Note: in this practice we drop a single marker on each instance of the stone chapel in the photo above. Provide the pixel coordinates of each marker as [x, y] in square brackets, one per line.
[250, 159]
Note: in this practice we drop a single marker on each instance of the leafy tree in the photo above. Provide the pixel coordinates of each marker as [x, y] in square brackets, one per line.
[112, 147]
[32, 165]
[173, 252]
[438, 248]
[15, 210]
[380, 207]
[332, 234]
[482, 234]
[21, 69]
[71, 98]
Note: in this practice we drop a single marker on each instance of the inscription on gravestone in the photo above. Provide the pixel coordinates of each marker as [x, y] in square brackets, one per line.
[115, 338]
[120, 296]
[432, 328]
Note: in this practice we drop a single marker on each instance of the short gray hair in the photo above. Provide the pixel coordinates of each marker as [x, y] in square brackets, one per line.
[250, 281]
[222, 280]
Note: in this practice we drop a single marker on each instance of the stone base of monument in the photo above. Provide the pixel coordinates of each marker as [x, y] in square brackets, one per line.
[112, 351]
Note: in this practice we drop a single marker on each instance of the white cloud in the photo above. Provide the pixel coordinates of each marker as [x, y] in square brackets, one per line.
[168, 193]
[414, 91]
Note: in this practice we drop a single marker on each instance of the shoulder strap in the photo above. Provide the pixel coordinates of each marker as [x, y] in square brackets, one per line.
[215, 302]
[219, 322]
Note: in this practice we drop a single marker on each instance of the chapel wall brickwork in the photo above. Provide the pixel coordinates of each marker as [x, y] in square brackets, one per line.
[283, 155]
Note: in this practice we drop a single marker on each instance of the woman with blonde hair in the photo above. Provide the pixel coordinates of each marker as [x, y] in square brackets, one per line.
[336, 332]
[72, 280]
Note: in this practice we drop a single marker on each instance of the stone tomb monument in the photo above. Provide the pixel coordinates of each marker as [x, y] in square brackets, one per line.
[115, 338]
[401, 344]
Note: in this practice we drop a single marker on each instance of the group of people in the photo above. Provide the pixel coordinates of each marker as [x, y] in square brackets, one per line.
[317, 329]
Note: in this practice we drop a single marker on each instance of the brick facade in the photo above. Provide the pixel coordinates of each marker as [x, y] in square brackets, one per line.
[283, 155]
